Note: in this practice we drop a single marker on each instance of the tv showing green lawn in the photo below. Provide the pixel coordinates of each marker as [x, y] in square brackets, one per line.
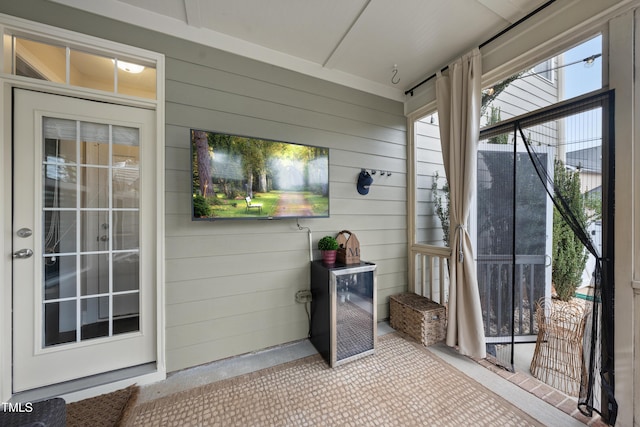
[241, 177]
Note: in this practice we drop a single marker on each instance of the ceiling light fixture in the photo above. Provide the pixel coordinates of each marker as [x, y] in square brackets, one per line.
[128, 66]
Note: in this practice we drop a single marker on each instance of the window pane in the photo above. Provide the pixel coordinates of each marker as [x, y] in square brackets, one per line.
[91, 71]
[573, 72]
[131, 82]
[40, 61]
[45, 61]
[7, 46]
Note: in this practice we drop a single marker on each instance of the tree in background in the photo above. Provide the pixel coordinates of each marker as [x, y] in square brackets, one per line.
[569, 255]
[493, 117]
[203, 161]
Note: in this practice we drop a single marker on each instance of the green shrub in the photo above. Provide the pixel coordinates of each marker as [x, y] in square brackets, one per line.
[201, 208]
[569, 254]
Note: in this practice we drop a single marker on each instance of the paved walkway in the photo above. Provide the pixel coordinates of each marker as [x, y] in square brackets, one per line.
[293, 204]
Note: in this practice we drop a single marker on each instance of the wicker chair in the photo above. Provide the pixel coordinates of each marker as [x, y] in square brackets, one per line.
[557, 359]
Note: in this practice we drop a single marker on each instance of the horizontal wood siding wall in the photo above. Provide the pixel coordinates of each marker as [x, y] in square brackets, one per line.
[428, 163]
[230, 286]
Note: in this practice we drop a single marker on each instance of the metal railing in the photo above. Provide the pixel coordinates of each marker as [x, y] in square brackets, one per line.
[503, 302]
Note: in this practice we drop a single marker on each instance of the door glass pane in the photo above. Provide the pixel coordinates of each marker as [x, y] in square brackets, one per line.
[126, 167]
[59, 231]
[95, 226]
[91, 210]
[125, 230]
[125, 271]
[59, 277]
[95, 187]
[60, 322]
[59, 158]
[60, 151]
[95, 138]
[95, 317]
[126, 309]
[94, 274]
[59, 186]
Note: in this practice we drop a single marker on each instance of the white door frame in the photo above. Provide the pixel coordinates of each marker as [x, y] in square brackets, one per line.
[7, 83]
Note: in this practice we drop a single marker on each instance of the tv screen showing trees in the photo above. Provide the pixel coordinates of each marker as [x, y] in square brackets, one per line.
[240, 177]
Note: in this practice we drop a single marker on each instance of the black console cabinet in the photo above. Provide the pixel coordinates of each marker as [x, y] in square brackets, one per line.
[343, 310]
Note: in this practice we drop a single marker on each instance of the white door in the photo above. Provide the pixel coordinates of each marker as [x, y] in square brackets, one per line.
[83, 266]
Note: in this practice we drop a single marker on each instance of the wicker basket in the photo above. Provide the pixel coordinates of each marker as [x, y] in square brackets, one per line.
[418, 317]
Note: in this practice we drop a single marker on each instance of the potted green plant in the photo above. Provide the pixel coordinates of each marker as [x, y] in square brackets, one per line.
[328, 245]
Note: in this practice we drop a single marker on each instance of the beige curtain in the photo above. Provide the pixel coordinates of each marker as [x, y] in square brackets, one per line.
[459, 96]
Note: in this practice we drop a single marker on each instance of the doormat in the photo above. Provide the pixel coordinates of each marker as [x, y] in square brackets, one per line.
[106, 410]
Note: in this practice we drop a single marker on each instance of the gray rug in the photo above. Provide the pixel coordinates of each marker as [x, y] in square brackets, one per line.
[402, 384]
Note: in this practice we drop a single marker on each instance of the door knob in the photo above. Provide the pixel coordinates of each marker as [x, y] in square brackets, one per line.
[23, 253]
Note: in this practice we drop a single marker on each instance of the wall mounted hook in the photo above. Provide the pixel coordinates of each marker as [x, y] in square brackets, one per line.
[394, 78]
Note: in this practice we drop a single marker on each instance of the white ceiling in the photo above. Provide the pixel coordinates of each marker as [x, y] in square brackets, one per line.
[351, 42]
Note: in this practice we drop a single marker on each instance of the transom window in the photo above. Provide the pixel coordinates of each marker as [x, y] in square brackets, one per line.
[66, 65]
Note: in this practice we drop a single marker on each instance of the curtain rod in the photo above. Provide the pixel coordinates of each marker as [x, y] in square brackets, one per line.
[509, 28]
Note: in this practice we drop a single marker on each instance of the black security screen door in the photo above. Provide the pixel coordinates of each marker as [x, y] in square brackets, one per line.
[520, 205]
[514, 218]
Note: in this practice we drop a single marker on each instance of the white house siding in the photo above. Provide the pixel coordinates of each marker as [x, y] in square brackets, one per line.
[428, 162]
[526, 94]
[230, 285]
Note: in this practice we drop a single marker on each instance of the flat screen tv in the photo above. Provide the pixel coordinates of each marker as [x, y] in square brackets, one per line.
[241, 177]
